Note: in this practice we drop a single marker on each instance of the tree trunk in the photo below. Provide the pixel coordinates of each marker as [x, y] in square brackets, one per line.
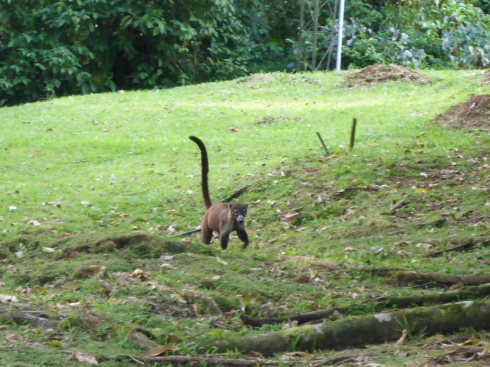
[300, 38]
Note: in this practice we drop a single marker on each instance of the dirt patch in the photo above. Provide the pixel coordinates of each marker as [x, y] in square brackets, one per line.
[376, 74]
[257, 78]
[472, 114]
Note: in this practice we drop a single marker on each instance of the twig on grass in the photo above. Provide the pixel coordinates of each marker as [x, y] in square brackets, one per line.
[321, 141]
[235, 194]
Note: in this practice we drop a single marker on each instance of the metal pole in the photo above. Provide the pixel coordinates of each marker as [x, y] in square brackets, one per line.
[341, 28]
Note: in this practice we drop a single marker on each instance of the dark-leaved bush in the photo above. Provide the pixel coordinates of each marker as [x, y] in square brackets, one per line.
[53, 48]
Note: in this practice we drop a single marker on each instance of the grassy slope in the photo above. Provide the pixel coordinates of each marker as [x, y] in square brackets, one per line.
[144, 173]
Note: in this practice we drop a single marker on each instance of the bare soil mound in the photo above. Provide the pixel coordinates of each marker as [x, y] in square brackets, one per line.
[472, 114]
[380, 73]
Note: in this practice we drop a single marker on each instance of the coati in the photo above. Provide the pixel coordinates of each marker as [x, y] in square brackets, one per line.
[220, 217]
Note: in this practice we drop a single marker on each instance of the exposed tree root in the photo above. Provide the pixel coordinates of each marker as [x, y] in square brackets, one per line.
[404, 275]
[460, 245]
[378, 304]
[210, 360]
[358, 331]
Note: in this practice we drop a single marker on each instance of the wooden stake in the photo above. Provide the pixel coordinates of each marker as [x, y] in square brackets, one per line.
[321, 141]
[353, 133]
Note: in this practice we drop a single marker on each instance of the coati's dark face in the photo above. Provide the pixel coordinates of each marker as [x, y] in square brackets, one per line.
[239, 211]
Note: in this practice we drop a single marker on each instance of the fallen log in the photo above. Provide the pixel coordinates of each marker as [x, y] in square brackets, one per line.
[358, 331]
[377, 304]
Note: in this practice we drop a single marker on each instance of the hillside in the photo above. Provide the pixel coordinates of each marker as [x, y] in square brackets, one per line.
[107, 180]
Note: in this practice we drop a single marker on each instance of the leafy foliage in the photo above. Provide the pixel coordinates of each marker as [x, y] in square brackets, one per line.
[52, 48]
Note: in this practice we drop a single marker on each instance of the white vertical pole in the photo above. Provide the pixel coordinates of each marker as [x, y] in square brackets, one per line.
[341, 29]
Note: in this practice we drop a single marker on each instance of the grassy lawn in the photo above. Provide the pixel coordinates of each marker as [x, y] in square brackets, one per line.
[81, 177]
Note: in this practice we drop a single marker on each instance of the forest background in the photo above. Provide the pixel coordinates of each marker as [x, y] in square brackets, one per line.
[54, 48]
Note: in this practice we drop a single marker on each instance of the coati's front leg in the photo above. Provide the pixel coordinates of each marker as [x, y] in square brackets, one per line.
[224, 238]
[242, 235]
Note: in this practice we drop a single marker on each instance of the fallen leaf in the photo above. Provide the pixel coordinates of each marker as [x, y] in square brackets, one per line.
[140, 274]
[54, 343]
[171, 229]
[153, 352]
[313, 274]
[233, 130]
[423, 245]
[82, 357]
[288, 217]
[221, 261]
[403, 339]
[5, 298]
[349, 249]
[421, 191]
[470, 341]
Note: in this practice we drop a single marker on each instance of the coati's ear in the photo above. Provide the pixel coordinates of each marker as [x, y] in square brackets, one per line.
[246, 205]
[231, 205]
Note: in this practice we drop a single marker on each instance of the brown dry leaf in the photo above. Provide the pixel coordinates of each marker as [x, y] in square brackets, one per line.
[13, 337]
[288, 217]
[140, 274]
[233, 130]
[401, 244]
[349, 249]
[275, 229]
[106, 130]
[5, 298]
[171, 229]
[82, 357]
[313, 274]
[95, 122]
[121, 91]
[403, 339]
[221, 261]
[423, 245]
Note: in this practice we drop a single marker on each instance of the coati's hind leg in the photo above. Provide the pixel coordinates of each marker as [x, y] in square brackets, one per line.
[242, 235]
[224, 238]
[207, 233]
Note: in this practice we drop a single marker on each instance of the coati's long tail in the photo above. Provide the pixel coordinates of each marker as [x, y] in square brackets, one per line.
[205, 170]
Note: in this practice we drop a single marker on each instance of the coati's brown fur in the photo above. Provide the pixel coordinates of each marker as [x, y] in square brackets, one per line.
[219, 217]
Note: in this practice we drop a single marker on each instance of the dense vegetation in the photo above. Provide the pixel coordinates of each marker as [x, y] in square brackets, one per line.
[54, 48]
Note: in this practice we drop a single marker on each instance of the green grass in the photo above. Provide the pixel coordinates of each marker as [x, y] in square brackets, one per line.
[75, 186]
